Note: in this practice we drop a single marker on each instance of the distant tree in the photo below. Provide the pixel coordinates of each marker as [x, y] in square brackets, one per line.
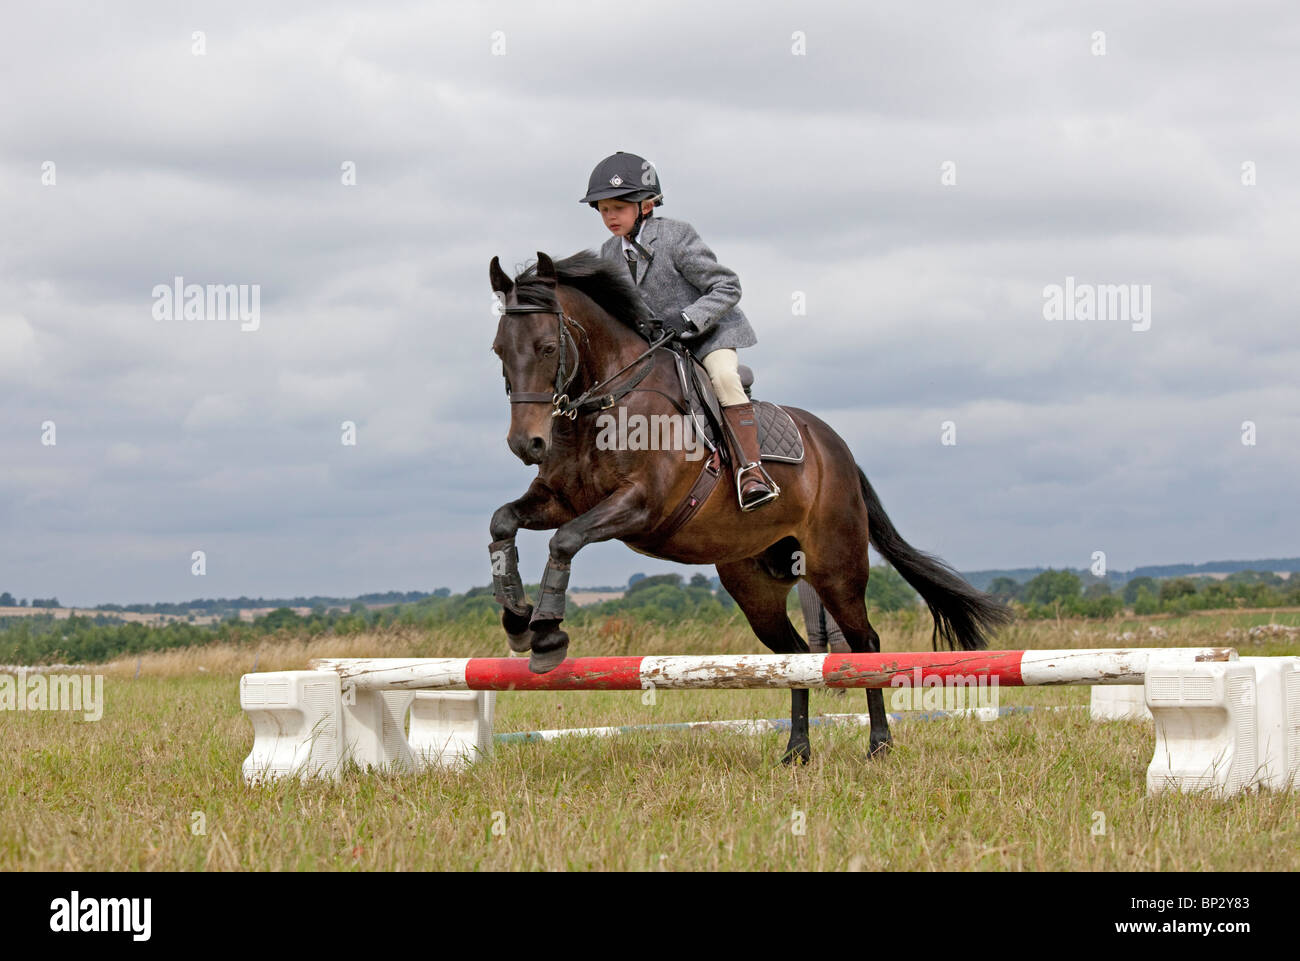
[634, 578]
[7, 600]
[1003, 588]
[1052, 586]
[1098, 590]
[23, 602]
[644, 583]
[1176, 587]
[1253, 577]
[1218, 594]
[887, 591]
[442, 592]
[1145, 602]
[278, 618]
[699, 580]
[1138, 583]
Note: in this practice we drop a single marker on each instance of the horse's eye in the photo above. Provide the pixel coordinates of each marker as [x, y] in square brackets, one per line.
[548, 350]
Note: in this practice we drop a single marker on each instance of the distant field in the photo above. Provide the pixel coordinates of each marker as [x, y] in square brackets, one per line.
[1023, 792]
[131, 617]
[247, 614]
[582, 598]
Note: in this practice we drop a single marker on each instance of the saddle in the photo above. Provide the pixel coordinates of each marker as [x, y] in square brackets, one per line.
[778, 435]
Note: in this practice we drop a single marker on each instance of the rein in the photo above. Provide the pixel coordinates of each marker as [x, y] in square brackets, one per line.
[590, 400]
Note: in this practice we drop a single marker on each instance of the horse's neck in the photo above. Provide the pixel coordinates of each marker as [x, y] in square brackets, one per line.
[610, 345]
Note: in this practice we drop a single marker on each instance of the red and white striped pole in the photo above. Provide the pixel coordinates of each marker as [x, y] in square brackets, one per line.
[751, 671]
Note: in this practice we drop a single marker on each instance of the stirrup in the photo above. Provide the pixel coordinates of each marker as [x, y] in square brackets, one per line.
[772, 494]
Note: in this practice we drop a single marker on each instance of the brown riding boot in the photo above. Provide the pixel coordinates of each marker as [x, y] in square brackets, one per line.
[752, 483]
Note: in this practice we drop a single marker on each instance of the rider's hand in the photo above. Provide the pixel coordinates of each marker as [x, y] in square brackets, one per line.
[689, 332]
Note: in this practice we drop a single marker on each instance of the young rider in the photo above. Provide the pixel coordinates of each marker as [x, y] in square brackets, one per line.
[686, 288]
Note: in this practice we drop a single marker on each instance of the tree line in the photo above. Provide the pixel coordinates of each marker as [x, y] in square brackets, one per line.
[1063, 594]
[662, 599]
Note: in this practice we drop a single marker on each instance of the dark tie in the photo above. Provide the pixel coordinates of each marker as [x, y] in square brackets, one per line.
[631, 261]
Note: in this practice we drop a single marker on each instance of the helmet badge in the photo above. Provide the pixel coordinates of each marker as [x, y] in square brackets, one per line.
[616, 181]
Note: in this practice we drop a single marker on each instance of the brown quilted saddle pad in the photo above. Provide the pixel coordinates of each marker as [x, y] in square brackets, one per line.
[778, 435]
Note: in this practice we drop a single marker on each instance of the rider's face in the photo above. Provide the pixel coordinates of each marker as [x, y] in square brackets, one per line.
[620, 215]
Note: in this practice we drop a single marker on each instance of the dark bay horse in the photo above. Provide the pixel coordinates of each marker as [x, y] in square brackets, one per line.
[571, 338]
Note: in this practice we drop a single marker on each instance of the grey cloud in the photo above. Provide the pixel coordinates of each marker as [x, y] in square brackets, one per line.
[817, 174]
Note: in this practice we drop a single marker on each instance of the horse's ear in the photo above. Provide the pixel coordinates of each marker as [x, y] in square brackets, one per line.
[545, 269]
[500, 282]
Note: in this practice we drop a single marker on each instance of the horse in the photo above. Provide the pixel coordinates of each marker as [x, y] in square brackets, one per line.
[573, 340]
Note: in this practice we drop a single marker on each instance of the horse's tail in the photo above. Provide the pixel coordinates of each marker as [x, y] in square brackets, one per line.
[962, 615]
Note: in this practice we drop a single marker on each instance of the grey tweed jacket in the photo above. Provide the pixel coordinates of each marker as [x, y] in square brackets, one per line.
[684, 276]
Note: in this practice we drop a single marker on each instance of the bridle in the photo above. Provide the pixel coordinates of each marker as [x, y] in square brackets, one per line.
[590, 400]
[563, 375]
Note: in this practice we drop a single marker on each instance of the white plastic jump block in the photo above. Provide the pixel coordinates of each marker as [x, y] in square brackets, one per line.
[452, 728]
[296, 718]
[1207, 728]
[449, 729]
[373, 729]
[1278, 684]
[306, 724]
[1118, 703]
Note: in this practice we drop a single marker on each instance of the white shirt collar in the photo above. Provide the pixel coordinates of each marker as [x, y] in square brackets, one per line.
[627, 245]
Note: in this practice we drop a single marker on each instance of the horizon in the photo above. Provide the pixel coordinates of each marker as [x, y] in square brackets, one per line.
[683, 570]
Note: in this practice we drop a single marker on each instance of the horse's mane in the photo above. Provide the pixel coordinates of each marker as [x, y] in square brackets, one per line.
[602, 280]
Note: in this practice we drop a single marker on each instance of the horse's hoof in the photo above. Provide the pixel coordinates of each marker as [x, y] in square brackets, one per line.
[880, 747]
[517, 633]
[797, 753]
[549, 651]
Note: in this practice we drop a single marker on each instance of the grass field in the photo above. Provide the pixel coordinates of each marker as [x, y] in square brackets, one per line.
[155, 784]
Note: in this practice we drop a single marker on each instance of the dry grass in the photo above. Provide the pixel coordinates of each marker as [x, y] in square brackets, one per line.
[1024, 792]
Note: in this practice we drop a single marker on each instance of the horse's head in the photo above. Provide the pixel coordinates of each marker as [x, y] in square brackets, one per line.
[538, 357]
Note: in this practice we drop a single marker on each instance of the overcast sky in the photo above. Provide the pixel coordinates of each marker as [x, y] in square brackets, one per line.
[819, 171]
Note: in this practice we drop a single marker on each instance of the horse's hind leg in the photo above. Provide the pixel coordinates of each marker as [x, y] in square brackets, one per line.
[762, 597]
[843, 590]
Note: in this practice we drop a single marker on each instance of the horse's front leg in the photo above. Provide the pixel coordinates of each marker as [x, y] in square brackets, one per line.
[537, 510]
[622, 514]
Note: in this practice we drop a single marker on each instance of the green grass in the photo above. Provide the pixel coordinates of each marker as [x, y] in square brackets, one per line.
[1022, 792]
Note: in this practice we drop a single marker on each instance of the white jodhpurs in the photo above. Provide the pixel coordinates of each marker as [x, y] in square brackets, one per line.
[723, 367]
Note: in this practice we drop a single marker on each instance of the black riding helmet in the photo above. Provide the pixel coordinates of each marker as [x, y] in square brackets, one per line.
[625, 176]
